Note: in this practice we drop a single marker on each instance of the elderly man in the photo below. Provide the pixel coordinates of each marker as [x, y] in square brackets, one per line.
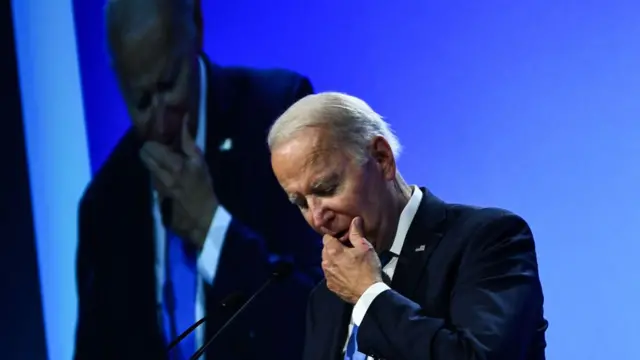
[186, 210]
[407, 276]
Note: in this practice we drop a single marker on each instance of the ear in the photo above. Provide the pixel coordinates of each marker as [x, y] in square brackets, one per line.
[383, 156]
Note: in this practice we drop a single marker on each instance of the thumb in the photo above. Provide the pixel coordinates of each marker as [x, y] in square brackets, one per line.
[188, 143]
[356, 233]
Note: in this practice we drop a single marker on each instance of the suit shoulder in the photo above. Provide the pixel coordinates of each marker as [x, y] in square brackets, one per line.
[476, 216]
[277, 87]
[264, 94]
[268, 79]
[482, 226]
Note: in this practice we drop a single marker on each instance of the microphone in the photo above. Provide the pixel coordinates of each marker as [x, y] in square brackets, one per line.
[281, 270]
[231, 301]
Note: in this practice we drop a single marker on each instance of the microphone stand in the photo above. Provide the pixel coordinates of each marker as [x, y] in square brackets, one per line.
[204, 347]
[230, 301]
[281, 270]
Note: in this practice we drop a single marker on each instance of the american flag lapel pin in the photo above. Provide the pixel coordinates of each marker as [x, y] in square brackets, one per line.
[226, 145]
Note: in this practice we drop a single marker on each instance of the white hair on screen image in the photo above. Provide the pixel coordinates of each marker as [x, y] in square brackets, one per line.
[351, 122]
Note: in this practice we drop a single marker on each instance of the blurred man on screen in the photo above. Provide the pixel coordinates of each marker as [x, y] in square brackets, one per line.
[407, 276]
[186, 210]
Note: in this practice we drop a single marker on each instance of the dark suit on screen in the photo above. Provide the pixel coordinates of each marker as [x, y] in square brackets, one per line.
[466, 287]
[118, 315]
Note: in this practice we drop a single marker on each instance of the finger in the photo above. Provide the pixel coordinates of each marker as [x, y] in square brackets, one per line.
[188, 143]
[332, 252]
[325, 264]
[326, 239]
[161, 177]
[330, 242]
[333, 245]
[328, 268]
[356, 234]
[162, 156]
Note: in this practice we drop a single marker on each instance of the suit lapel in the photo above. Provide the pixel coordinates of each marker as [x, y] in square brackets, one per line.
[339, 334]
[139, 206]
[422, 238]
[138, 189]
[219, 112]
[331, 326]
[130, 221]
[131, 194]
[220, 97]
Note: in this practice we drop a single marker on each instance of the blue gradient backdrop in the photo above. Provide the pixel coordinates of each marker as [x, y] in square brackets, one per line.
[528, 105]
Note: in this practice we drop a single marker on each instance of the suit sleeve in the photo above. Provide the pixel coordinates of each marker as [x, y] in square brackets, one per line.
[495, 305]
[87, 326]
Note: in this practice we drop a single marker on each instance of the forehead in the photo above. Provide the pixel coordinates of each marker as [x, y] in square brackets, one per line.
[149, 50]
[306, 159]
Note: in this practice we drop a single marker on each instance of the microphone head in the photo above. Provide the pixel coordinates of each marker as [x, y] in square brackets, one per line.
[282, 269]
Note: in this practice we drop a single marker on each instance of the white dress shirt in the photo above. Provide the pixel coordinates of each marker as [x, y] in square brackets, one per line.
[209, 257]
[362, 305]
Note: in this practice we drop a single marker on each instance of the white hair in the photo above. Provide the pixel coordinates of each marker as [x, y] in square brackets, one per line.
[351, 122]
[127, 17]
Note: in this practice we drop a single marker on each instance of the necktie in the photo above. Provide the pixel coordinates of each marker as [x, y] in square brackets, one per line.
[179, 295]
[352, 352]
[385, 257]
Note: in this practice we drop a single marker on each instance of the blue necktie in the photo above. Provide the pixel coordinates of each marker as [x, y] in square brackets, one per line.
[352, 352]
[179, 295]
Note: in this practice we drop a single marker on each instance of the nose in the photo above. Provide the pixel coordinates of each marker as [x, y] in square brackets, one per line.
[159, 105]
[158, 102]
[320, 215]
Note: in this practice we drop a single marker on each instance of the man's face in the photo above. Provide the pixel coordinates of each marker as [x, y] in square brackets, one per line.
[158, 73]
[331, 188]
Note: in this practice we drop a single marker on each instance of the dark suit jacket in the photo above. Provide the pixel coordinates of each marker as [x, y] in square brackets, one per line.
[472, 293]
[118, 317]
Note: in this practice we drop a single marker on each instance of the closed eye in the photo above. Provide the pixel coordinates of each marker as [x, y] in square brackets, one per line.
[298, 201]
[326, 186]
[326, 191]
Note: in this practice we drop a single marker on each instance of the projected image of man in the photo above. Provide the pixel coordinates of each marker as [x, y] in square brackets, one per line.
[186, 209]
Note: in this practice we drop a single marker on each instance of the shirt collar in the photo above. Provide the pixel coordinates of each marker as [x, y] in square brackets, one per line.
[202, 106]
[406, 218]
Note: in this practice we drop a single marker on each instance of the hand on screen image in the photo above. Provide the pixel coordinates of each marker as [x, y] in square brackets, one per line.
[184, 185]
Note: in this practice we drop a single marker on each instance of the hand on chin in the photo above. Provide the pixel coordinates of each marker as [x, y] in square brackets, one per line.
[170, 140]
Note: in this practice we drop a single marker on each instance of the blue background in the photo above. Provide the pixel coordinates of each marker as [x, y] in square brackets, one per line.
[528, 105]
